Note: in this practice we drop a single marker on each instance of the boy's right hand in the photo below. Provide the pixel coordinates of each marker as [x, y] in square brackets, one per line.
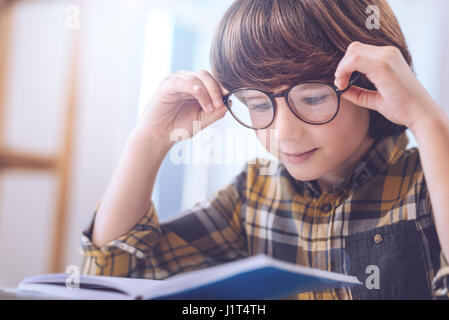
[182, 98]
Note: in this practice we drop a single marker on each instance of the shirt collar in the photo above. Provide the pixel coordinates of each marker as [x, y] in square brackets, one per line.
[382, 154]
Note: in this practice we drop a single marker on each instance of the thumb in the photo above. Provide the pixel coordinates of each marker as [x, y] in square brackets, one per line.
[362, 97]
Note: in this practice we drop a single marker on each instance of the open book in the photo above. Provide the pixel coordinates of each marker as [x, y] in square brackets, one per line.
[256, 277]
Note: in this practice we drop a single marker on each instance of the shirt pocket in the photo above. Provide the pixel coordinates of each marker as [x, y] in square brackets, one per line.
[389, 261]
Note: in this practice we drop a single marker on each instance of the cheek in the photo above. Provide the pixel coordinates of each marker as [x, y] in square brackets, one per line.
[345, 134]
[354, 121]
[349, 117]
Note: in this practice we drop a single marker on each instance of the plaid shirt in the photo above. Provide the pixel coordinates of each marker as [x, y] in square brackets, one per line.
[380, 215]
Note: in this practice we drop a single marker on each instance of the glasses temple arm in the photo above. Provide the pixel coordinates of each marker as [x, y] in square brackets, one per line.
[354, 78]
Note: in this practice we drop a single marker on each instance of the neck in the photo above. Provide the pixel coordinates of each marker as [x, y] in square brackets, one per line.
[328, 181]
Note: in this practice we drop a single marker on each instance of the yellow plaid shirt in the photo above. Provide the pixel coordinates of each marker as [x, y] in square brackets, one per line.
[378, 215]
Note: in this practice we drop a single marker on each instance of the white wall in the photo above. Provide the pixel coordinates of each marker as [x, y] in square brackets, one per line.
[35, 93]
[109, 83]
[426, 29]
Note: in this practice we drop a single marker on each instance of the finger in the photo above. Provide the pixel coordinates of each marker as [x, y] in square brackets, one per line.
[195, 87]
[214, 89]
[362, 97]
[223, 89]
[211, 117]
[343, 75]
[358, 57]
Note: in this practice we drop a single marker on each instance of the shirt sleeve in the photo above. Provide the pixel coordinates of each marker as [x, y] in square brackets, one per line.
[440, 282]
[208, 234]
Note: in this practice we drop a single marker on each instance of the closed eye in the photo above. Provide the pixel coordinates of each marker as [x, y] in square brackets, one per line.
[260, 107]
[315, 100]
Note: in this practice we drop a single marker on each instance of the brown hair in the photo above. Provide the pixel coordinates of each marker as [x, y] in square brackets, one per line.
[267, 44]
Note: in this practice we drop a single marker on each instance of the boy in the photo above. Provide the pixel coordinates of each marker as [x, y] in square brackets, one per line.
[347, 195]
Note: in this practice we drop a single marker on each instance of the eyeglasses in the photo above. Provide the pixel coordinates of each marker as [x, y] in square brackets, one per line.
[313, 102]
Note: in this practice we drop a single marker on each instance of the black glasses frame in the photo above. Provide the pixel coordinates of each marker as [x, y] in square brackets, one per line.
[354, 78]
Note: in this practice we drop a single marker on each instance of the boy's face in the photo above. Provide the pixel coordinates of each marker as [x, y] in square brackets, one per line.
[339, 143]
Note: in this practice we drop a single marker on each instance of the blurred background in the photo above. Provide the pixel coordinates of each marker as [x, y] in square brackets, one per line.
[74, 76]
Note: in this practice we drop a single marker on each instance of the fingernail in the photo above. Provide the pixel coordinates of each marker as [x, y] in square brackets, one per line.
[218, 105]
[210, 107]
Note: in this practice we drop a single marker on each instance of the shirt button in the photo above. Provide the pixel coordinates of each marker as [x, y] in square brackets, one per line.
[326, 208]
[378, 238]
[363, 175]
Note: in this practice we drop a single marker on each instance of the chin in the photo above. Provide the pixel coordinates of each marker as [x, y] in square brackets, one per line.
[302, 173]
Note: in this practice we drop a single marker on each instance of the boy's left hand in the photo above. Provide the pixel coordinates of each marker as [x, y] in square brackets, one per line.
[400, 97]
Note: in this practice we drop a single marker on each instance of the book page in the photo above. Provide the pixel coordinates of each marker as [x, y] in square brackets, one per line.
[128, 287]
[61, 292]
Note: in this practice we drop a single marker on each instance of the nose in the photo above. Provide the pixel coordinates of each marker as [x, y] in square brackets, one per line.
[287, 125]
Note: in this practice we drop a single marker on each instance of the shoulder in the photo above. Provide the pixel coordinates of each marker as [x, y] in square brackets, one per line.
[407, 168]
[406, 178]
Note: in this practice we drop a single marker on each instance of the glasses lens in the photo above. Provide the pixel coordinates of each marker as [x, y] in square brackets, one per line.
[314, 102]
[253, 108]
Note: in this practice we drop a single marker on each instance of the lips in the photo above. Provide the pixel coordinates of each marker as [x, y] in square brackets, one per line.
[298, 153]
[298, 157]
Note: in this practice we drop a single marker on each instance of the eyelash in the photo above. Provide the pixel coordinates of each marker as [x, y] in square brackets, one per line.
[261, 106]
[319, 99]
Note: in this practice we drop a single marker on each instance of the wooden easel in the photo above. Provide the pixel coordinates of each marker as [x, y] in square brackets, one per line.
[58, 164]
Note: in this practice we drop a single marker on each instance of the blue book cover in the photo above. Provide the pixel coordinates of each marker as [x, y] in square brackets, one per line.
[253, 278]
